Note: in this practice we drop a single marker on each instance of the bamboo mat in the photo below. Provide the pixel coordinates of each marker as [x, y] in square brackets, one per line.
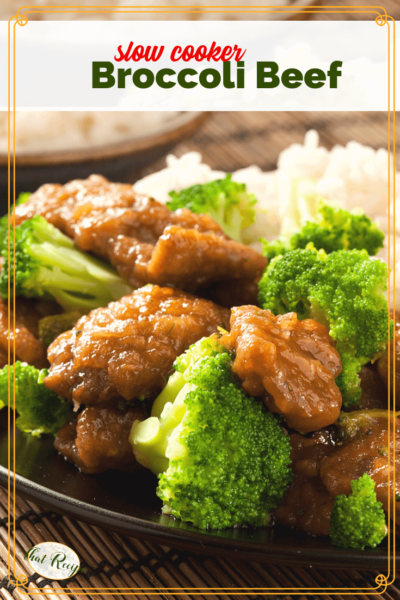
[114, 561]
[233, 140]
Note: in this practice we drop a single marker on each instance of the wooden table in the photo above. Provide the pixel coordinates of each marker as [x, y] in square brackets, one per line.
[114, 561]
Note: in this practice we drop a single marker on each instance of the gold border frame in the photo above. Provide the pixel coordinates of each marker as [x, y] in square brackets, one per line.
[382, 19]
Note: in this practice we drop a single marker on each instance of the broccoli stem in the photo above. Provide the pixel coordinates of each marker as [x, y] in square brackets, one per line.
[147, 432]
[51, 256]
[70, 301]
[47, 233]
[55, 279]
[47, 263]
[64, 288]
[52, 326]
[169, 393]
[147, 435]
[151, 438]
[72, 261]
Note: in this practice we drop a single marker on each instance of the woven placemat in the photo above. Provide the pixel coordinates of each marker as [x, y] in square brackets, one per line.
[111, 560]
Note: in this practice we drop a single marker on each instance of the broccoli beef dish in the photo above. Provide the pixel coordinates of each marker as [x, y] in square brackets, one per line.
[250, 378]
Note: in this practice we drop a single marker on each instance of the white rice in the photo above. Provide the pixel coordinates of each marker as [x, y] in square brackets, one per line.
[351, 177]
[50, 131]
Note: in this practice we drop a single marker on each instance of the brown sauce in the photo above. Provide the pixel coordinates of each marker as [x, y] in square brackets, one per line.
[308, 504]
[324, 466]
[373, 393]
[236, 292]
[367, 451]
[97, 440]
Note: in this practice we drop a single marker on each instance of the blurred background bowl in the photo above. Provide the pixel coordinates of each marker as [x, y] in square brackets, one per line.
[9, 7]
[116, 161]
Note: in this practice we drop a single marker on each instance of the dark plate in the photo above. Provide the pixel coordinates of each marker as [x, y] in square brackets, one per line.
[127, 503]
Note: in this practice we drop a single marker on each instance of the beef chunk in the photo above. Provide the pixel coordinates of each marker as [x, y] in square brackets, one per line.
[97, 440]
[308, 504]
[365, 450]
[292, 364]
[141, 238]
[128, 348]
[28, 347]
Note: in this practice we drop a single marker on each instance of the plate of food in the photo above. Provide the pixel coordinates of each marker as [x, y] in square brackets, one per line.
[179, 380]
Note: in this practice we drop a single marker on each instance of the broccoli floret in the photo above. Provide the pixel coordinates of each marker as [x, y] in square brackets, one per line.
[22, 198]
[332, 229]
[338, 229]
[272, 249]
[358, 521]
[40, 410]
[343, 290]
[47, 264]
[226, 201]
[52, 326]
[354, 424]
[222, 458]
[3, 233]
